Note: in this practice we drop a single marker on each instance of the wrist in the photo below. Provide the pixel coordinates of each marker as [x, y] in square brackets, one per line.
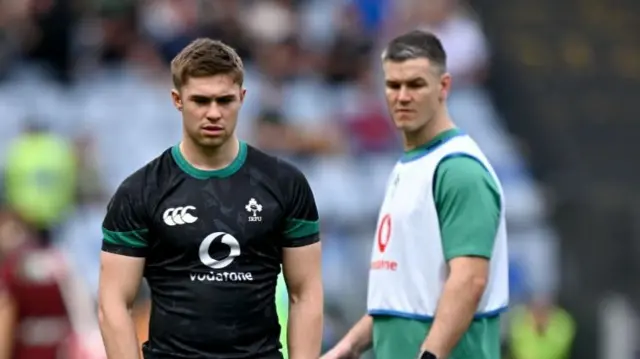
[425, 354]
[347, 347]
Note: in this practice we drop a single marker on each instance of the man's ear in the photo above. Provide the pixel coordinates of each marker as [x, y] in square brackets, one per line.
[445, 86]
[176, 99]
[243, 93]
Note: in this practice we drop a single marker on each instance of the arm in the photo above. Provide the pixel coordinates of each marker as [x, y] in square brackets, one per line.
[302, 273]
[124, 249]
[357, 341]
[120, 278]
[458, 303]
[468, 203]
[302, 269]
[8, 314]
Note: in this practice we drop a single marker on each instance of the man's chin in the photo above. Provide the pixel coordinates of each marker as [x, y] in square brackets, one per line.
[212, 142]
[407, 126]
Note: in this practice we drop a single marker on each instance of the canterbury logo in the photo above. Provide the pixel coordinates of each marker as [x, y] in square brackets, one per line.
[179, 216]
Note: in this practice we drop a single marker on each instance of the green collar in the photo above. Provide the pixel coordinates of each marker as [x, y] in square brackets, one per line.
[188, 168]
[434, 143]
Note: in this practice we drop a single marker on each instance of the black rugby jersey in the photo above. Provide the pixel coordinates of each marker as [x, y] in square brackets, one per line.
[213, 246]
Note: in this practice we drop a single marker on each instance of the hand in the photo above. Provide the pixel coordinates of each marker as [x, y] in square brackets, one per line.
[340, 352]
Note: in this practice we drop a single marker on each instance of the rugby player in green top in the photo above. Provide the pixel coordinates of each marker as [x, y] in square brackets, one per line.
[438, 280]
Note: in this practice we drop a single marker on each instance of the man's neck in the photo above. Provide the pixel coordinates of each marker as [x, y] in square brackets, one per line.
[432, 129]
[212, 159]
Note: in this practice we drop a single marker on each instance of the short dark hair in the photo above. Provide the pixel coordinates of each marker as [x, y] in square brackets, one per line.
[206, 57]
[416, 44]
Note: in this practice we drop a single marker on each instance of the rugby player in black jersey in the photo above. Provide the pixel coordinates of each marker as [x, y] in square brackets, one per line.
[209, 223]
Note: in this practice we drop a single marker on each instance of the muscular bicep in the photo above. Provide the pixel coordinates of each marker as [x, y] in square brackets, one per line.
[120, 278]
[302, 268]
[471, 268]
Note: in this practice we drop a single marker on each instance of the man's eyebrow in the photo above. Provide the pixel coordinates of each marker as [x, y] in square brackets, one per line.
[207, 97]
[405, 81]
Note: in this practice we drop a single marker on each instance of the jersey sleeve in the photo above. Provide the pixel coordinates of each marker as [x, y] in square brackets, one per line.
[468, 203]
[125, 229]
[301, 226]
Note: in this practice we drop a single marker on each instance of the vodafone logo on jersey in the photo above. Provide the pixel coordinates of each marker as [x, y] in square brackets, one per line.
[383, 236]
[220, 274]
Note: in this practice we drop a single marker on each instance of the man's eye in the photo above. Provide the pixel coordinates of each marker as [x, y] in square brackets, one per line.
[225, 100]
[201, 101]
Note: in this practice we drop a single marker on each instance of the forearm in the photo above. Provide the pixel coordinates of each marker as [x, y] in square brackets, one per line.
[7, 326]
[359, 339]
[456, 308]
[304, 331]
[6, 340]
[118, 332]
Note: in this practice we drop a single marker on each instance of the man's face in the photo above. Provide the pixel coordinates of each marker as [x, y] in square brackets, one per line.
[12, 234]
[415, 92]
[209, 107]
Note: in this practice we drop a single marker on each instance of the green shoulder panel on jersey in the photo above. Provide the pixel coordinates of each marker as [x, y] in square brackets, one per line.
[469, 206]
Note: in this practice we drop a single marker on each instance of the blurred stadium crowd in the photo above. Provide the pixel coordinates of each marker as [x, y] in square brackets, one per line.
[84, 101]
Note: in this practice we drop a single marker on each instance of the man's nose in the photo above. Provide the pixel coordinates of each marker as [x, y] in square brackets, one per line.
[213, 113]
[404, 95]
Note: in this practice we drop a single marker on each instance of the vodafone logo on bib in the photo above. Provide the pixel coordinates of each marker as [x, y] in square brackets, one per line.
[383, 236]
[384, 233]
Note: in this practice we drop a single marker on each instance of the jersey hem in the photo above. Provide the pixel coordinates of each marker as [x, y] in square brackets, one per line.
[135, 238]
[465, 252]
[302, 241]
[429, 318]
[124, 250]
[149, 353]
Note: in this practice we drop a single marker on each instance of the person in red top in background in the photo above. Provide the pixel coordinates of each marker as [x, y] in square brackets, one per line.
[35, 295]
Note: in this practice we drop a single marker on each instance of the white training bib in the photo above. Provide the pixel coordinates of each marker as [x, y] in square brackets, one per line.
[408, 267]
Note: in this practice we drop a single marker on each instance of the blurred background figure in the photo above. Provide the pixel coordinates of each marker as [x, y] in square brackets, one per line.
[44, 311]
[546, 88]
[40, 178]
[541, 330]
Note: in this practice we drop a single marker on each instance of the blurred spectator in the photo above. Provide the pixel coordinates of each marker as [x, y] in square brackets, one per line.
[13, 233]
[40, 178]
[79, 236]
[541, 331]
[364, 115]
[461, 35]
[220, 20]
[41, 31]
[372, 14]
[117, 24]
[43, 305]
[350, 50]
[290, 108]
